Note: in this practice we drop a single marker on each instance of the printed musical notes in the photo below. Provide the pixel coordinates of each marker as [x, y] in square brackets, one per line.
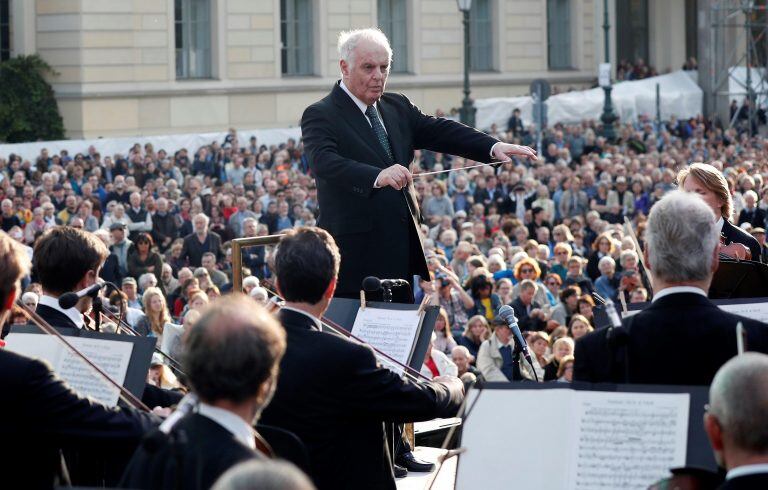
[390, 331]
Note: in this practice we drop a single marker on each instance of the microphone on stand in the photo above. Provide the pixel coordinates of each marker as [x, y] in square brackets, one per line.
[373, 283]
[507, 314]
[69, 300]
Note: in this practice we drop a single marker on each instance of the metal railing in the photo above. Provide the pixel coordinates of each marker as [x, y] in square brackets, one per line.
[237, 255]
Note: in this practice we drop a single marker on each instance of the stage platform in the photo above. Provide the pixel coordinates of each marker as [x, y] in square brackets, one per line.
[446, 475]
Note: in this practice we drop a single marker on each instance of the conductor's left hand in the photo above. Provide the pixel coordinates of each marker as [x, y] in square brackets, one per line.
[504, 151]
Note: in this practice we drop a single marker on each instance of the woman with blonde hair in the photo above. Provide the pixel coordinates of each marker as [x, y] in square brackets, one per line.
[539, 343]
[443, 339]
[476, 331]
[561, 348]
[579, 326]
[156, 314]
[710, 184]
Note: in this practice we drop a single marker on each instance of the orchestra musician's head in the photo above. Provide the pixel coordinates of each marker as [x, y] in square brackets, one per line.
[68, 259]
[681, 242]
[735, 420]
[710, 184]
[306, 266]
[14, 264]
[231, 357]
[366, 57]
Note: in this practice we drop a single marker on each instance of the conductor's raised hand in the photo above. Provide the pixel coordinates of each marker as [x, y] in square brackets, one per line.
[504, 151]
[395, 176]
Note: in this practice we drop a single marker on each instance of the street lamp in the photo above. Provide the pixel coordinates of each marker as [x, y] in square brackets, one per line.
[467, 111]
[608, 117]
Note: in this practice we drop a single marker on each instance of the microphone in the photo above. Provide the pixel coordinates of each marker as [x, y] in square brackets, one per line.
[373, 283]
[69, 300]
[507, 314]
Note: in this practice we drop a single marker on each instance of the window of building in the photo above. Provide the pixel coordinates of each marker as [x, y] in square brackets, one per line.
[631, 31]
[296, 37]
[480, 36]
[5, 29]
[193, 38]
[559, 34]
[394, 23]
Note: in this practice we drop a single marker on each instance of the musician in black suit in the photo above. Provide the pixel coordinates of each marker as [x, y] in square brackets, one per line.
[67, 260]
[332, 393]
[709, 183]
[40, 413]
[231, 360]
[682, 338]
[360, 141]
[735, 422]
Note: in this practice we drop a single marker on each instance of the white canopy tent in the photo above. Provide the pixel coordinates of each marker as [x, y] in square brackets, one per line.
[679, 93]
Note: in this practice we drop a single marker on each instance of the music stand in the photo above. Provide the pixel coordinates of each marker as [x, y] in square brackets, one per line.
[739, 279]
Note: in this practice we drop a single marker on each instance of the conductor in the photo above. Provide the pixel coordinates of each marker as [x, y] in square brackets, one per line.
[360, 141]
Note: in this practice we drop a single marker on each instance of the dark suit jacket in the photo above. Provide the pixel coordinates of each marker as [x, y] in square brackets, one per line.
[746, 482]
[375, 229]
[756, 218]
[734, 234]
[41, 415]
[680, 339]
[524, 320]
[509, 205]
[335, 398]
[198, 449]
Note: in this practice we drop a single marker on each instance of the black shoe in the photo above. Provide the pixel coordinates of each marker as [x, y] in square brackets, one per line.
[411, 463]
[400, 472]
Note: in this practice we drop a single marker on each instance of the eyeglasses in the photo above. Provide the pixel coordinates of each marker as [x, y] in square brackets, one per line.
[526, 271]
[551, 283]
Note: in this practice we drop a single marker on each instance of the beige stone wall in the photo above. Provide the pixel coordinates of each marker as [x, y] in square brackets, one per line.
[116, 61]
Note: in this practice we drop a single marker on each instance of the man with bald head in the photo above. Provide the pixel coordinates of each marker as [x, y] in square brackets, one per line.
[360, 141]
[736, 422]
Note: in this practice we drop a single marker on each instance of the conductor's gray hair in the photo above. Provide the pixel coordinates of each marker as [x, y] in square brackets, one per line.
[349, 40]
[263, 475]
[682, 237]
[738, 399]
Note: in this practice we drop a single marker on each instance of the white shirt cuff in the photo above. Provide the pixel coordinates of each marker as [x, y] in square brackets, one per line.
[494, 146]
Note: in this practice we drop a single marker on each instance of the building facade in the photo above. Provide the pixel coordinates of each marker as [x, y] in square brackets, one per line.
[141, 67]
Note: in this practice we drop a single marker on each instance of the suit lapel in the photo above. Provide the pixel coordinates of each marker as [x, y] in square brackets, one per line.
[357, 121]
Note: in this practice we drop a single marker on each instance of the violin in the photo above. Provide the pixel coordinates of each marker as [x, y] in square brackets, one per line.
[733, 250]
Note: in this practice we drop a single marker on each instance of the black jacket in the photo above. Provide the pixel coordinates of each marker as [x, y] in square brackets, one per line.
[198, 451]
[756, 218]
[42, 414]
[747, 482]
[524, 320]
[375, 229]
[680, 339]
[332, 394]
[734, 234]
[164, 227]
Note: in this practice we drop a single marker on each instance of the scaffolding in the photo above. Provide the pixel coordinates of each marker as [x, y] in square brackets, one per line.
[738, 41]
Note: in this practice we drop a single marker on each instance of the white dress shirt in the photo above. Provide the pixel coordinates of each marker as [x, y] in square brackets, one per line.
[677, 289]
[231, 422]
[72, 313]
[747, 469]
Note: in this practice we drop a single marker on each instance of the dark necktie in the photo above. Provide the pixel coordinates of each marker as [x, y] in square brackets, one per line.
[378, 128]
[506, 361]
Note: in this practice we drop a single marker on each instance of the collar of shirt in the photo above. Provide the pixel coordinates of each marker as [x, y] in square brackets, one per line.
[361, 105]
[318, 323]
[231, 422]
[676, 290]
[719, 224]
[72, 313]
[747, 469]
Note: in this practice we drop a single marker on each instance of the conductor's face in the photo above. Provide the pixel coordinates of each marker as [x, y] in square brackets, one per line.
[366, 73]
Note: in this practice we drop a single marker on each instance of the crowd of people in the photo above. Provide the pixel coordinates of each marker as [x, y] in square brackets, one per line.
[540, 236]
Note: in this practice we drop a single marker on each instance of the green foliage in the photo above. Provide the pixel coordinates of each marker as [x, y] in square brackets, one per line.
[28, 109]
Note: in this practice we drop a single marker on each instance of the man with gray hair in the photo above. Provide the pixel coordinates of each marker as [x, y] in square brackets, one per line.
[736, 422]
[360, 141]
[682, 338]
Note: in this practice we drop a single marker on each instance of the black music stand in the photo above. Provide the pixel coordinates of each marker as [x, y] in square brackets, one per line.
[739, 279]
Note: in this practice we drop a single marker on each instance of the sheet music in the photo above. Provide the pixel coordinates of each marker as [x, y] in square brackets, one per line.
[390, 331]
[628, 440]
[171, 343]
[111, 356]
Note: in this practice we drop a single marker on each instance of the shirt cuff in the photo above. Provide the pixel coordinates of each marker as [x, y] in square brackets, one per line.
[376, 182]
[494, 146]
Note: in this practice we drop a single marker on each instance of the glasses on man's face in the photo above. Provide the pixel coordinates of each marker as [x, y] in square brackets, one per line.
[526, 271]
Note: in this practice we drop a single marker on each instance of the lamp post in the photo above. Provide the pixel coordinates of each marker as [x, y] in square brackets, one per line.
[608, 117]
[467, 111]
